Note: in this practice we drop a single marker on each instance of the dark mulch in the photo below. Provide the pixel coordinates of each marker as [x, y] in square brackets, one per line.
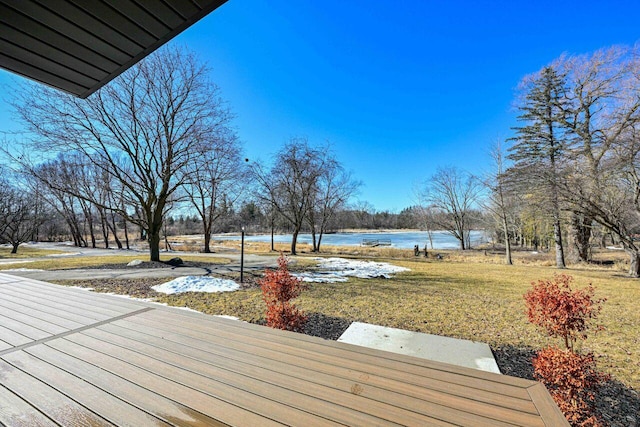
[152, 264]
[617, 404]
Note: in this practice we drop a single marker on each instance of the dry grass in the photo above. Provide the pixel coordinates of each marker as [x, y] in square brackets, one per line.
[26, 252]
[71, 262]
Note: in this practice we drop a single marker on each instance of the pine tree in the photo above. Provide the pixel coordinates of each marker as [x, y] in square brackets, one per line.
[541, 144]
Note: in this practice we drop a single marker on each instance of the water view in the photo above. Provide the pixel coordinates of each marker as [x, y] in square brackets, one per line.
[402, 240]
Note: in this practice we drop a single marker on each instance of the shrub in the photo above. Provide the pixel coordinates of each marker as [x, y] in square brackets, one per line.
[279, 287]
[560, 310]
[572, 380]
[570, 377]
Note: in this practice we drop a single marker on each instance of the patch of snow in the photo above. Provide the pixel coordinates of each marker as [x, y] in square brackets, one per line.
[135, 263]
[334, 270]
[225, 316]
[196, 284]
[614, 248]
[22, 269]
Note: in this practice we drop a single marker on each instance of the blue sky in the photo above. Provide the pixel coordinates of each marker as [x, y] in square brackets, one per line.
[398, 88]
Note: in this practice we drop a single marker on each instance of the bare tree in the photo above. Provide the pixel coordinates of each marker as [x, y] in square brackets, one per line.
[218, 177]
[19, 217]
[142, 129]
[334, 187]
[54, 178]
[615, 202]
[499, 201]
[289, 186]
[604, 102]
[453, 194]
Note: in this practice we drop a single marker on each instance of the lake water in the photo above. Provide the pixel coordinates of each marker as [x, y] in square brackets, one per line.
[402, 240]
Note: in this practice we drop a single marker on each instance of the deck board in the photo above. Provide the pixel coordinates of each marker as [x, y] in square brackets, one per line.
[109, 361]
[54, 405]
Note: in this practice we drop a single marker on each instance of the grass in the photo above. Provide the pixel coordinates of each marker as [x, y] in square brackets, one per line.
[61, 263]
[26, 252]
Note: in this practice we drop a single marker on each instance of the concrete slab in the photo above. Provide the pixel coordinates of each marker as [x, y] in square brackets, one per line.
[458, 352]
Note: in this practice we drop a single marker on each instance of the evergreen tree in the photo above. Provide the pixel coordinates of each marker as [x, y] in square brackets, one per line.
[539, 145]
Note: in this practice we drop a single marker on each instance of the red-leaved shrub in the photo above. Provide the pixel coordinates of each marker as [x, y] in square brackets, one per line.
[560, 310]
[570, 377]
[279, 287]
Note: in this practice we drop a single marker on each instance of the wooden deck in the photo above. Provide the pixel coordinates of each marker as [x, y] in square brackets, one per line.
[71, 357]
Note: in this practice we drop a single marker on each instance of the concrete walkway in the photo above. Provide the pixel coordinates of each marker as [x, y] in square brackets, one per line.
[469, 354]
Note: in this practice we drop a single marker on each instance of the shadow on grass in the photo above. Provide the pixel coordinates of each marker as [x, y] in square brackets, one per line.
[618, 404]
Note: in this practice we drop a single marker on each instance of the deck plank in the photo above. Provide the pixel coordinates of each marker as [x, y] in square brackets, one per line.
[384, 403]
[82, 316]
[56, 406]
[16, 412]
[30, 320]
[23, 328]
[128, 391]
[103, 404]
[81, 295]
[39, 314]
[185, 385]
[98, 311]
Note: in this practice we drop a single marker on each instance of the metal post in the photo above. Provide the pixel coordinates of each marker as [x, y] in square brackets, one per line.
[242, 257]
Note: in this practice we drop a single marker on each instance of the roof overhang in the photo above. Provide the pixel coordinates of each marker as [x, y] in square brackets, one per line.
[78, 46]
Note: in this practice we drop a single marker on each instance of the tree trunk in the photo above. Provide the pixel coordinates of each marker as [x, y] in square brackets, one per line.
[114, 230]
[126, 234]
[207, 243]
[581, 228]
[273, 248]
[313, 240]
[319, 241]
[634, 264]
[557, 237]
[14, 248]
[507, 242]
[294, 241]
[154, 245]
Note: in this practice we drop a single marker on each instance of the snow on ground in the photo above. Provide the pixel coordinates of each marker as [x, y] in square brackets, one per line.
[196, 284]
[332, 270]
[22, 269]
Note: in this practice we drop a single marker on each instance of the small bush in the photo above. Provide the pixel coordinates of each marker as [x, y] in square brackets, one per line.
[279, 287]
[570, 377]
[560, 310]
[572, 380]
